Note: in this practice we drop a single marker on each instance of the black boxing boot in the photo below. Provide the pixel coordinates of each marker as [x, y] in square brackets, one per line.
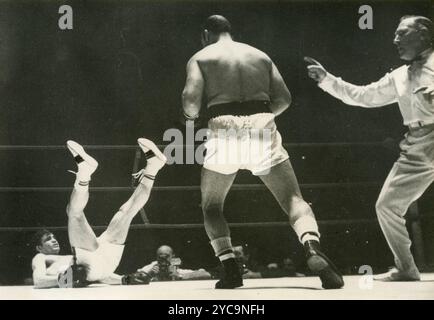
[322, 266]
[231, 275]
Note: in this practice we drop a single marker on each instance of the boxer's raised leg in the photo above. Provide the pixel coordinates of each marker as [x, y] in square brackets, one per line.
[118, 228]
[282, 182]
[80, 233]
[215, 187]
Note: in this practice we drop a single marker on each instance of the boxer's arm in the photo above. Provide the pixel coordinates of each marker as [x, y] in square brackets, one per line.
[279, 93]
[200, 274]
[40, 278]
[148, 268]
[193, 90]
[113, 279]
[376, 94]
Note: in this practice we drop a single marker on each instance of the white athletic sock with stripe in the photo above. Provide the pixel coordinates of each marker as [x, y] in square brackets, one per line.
[223, 248]
[306, 229]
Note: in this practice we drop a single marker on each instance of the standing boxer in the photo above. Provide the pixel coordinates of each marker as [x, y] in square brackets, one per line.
[412, 86]
[244, 91]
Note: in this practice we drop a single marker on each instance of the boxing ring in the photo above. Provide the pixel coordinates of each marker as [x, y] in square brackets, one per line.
[288, 288]
[298, 288]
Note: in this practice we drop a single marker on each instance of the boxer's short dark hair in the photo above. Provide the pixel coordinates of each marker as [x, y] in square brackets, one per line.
[38, 235]
[217, 24]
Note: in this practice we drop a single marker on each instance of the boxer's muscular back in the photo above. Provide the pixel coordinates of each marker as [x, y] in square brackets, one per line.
[234, 71]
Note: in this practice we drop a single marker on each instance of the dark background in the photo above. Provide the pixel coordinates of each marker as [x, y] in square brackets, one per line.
[119, 75]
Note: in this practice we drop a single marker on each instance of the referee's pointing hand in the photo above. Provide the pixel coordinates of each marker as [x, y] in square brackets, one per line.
[315, 70]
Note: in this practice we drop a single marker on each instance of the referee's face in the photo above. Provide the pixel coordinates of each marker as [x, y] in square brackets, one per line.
[408, 40]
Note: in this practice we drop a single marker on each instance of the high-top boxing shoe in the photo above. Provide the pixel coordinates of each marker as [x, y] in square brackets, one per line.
[320, 265]
[231, 277]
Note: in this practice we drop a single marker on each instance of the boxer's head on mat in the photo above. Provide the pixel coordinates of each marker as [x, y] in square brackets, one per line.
[45, 242]
[213, 28]
[413, 36]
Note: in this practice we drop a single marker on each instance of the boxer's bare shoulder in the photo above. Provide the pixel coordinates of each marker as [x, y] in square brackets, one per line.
[48, 260]
[227, 66]
[38, 260]
[231, 51]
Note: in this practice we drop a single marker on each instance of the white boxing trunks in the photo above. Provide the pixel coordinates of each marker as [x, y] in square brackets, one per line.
[102, 262]
[243, 142]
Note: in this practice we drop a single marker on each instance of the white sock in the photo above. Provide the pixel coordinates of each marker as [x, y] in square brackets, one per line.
[309, 236]
[79, 185]
[146, 179]
[83, 173]
[221, 245]
[226, 256]
[306, 228]
[153, 166]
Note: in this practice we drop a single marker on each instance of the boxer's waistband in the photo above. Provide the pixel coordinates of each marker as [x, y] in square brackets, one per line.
[245, 108]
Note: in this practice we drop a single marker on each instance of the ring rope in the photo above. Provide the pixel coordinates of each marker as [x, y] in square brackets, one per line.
[235, 187]
[161, 146]
[197, 225]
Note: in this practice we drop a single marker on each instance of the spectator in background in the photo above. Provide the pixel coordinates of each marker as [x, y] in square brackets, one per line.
[250, 269]
[285, 268]
[167, 268]
[245, 264]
